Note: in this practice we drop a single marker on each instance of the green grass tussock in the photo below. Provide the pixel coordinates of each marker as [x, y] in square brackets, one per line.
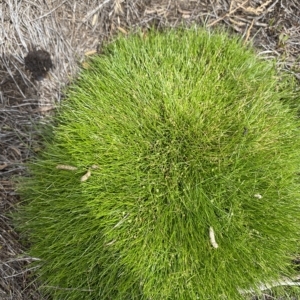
[180, 135]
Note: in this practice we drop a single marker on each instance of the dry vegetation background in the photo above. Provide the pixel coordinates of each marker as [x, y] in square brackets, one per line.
[70, 30]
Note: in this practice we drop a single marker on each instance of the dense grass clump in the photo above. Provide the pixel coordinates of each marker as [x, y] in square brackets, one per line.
[175, 139]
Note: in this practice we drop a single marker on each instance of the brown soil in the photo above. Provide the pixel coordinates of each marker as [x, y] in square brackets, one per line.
[73, 30]
[38, 62]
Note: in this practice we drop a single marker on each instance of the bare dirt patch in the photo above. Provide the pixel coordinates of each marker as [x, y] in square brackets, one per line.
[70, 31]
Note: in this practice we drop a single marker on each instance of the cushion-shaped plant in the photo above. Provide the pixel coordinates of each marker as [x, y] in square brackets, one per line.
[171, 173]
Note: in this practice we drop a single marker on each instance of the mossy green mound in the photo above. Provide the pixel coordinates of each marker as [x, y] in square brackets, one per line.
[187, 151]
